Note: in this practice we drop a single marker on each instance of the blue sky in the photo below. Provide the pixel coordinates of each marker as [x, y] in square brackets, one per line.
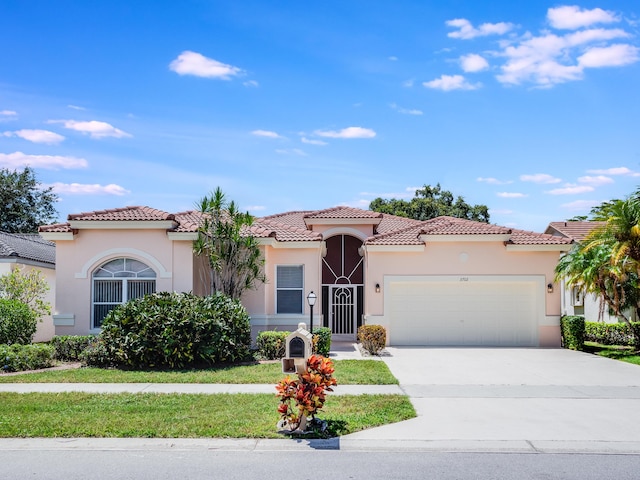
[531, 108]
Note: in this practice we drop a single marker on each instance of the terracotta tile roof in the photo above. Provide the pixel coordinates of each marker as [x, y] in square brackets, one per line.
[55, 228]
[283, 232]
[409, 235]
[522, 237]
[28, 246]
[459, 226]
[343, 212]
[294, 219]
[392, 223]
[187, 221]
[126, 213]
[574, 230]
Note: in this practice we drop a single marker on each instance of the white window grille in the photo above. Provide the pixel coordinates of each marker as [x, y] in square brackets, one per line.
[289, 288]
[117, 282]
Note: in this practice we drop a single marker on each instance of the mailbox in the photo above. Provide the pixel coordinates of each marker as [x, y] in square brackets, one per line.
[298, 348]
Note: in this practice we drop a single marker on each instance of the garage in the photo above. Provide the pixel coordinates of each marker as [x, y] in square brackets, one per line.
[465, 310]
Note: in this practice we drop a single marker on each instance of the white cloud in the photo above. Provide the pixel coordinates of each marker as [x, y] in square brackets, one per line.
[493, 181]
[596, 181]
[540, 178]
[88, 189]
[614, 171]
[75, 107]
[406, 111]
[473, 63]
[570, 190]
[581, 205]
[93, 128]
[511, 195]
[349, 132]
[573, 17]
[467, 31]
[193, 63]
[50, 162]
[265, 133]
[36, 136]
[393, 58]
[292, 151]
[451, 82]
[312, 142]
[251, 83]
[8, 113]
[611, 56]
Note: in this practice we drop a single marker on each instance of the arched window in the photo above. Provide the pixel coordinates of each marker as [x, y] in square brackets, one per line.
[117, 282]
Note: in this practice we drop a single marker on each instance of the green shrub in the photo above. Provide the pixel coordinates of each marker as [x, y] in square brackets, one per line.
[68, 348]
[18, 322]
[16, 358]
[271, 344]
[322, 341]
[610, 333]
[176, 330]
[96, 354]
[572, 328]
[373, 338]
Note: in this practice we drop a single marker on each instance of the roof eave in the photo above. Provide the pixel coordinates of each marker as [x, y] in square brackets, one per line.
[475, 237]
[539, 248]
[123, 224]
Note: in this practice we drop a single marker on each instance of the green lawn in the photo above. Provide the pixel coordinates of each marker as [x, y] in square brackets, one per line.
[348, 372]
[181, 415]
[625, 354]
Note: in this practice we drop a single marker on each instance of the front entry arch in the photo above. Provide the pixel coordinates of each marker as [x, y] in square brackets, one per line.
[342, 286]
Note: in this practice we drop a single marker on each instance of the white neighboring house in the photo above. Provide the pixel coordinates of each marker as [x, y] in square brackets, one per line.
[573, 301]
[29, 251]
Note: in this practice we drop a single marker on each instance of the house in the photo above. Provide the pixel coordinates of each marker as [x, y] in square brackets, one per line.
[573, 300]
[31, 252]
[444, 281]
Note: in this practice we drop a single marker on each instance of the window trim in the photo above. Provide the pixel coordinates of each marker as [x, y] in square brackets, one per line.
[300, 289]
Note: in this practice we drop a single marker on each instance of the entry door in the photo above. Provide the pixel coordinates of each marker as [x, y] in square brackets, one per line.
[342, 311]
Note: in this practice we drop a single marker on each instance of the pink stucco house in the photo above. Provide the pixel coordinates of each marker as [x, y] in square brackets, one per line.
[444, 281]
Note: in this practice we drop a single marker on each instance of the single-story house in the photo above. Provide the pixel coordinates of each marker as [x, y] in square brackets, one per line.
[573, 299]
[31, 252]
[444, 281]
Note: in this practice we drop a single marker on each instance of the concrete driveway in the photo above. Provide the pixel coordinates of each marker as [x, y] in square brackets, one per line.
[503, 399]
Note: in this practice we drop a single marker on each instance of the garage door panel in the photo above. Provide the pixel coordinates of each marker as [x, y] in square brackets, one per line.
[431, 312]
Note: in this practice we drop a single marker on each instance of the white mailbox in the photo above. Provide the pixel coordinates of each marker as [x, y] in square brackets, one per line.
[298, 348]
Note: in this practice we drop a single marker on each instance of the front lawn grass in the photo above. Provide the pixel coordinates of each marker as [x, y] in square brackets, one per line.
[617, 352]
[348, 372]
[182, 415]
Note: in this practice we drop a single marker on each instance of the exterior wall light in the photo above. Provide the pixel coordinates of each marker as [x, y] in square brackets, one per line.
[377, 288]
[550, 288]
[311, 299]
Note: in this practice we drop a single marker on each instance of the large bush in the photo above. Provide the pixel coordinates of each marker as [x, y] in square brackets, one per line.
[174, 330]
[610, 333]
[18, 322]
[69, 348]
[16, 358]
[322, 341]
[373, 338]
[572, 328]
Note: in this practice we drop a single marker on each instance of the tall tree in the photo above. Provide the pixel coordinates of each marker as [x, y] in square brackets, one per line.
[431, 202]
[24, 204]
[232, 254]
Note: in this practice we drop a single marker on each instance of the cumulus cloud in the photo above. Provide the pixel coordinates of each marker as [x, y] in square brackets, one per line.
[573, 17]
[251, 83]
[8, 113]
[349, 132]
[193, 63]
[50, 162]
[406, 111]
[467, 31]
[473, 63]
[570, 190]
[88, 189]
[540, 178]
[511, 195]
[493, 181]
[93, 128]
[312, 141]
[451, 82]
[36, 136]
[265, 133]
[611, 56]
[595, 181]
[292, 151]
[614, 171]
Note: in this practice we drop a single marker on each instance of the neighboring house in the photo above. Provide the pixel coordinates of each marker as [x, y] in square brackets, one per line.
[574, 301]
[31, 252]
[444, 281]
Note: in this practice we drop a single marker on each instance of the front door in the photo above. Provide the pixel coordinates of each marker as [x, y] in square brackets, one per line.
[342, 281]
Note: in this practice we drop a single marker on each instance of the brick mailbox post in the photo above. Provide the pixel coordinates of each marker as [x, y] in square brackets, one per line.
[298, 348]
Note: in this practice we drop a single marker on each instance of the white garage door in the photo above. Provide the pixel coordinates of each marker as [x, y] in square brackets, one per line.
[483, 311]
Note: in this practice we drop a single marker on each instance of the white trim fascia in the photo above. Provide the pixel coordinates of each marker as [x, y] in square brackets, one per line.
[64, 319]
[481, 237]
[272, 242]
[342, 221]
[538, 248]
[53, 236]
[26, 261]
[393, 248]
[177, 236]
[84, 272]
[123, 224]
[345, 231]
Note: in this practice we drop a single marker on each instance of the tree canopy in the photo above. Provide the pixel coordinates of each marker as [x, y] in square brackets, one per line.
[25, 204]
[431, 202]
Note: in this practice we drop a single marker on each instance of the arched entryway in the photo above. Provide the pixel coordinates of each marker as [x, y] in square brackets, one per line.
[342, 286]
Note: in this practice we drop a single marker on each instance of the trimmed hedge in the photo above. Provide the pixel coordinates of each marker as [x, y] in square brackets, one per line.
[373, 338]
[572, 328]
[271, 344]
[173, 330]
[610, 333]
[68, 348]
[17, 358]
[322, 341]
[18, 322]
